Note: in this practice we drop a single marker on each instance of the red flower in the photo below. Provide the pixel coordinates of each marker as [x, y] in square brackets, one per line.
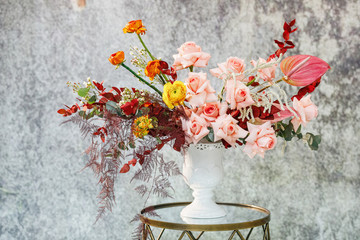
[130, 107]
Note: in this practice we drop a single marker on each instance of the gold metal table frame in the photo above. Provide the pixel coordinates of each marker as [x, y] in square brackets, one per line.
[187, 229]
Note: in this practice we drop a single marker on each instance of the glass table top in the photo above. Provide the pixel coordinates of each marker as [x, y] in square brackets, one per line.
[238, 216]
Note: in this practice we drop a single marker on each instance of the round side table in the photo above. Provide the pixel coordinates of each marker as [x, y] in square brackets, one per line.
[239, 217]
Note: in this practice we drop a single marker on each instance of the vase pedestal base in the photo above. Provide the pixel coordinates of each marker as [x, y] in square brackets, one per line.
[203, 210]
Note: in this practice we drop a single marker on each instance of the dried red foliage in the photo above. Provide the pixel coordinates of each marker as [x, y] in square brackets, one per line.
[307, 89]
[286, 44]
[164, 68]
[70, 110]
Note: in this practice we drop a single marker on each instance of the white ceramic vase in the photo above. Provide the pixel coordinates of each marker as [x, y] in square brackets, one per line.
[203, 171]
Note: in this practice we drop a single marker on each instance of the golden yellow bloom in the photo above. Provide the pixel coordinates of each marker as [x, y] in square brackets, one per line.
[135, 26]
[152, 69]
[141, 126]
[174, 94]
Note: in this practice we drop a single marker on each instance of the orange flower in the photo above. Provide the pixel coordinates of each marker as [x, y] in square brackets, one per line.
[152, 69]
[117, 58]
[135, 26]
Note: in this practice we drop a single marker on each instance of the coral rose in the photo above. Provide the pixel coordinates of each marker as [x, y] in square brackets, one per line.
[225, 127]
[174, 94]
[261, 138]
[199, 90]
[135, 26]
[305, 109]
[195, 128]
[190, 54]
[238, 95]
[117, 58]
[267, 74]
[212, 110]
[232, 65]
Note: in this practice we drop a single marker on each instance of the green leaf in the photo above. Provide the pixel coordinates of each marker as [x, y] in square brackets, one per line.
[298, 130]
[210, 136]
[113, 108]
[92, 99]
[122, 145]
[132, 144]
[83, 92]
[82, 114]
[288, 132]
[313, 141]
[158, 140]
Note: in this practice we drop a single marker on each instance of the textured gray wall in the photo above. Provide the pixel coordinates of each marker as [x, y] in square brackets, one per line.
[44, 195]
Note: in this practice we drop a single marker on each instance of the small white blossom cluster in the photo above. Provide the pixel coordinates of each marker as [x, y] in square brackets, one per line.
[140, 59]
[128, 95]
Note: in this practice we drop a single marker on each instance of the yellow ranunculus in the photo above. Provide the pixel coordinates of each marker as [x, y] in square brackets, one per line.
[174, 94]
[141, 126]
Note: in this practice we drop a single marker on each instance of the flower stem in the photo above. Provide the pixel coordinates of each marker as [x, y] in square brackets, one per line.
[162, 76]
[191, 68]
[141, 79]
[146, 49]
[270, 85]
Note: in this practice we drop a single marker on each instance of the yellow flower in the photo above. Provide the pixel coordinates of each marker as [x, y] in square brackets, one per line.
[174, 94]
[141, 126]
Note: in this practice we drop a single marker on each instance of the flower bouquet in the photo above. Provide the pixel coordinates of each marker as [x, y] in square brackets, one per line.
[129, 127]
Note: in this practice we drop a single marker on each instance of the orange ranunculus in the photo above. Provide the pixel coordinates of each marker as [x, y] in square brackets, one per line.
[152, 69]
[135, 26]
[117, 58]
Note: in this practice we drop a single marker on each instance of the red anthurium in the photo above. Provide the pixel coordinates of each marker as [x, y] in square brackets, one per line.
[302, 70]
[130, 107]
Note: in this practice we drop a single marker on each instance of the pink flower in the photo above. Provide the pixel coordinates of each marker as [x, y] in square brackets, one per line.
[190, 54]
[195, 128]
[267, 74]
[302, 70]
[210, 111]
[261, 138]
[238, 95]
[199, 90]
[225, 127]
[232, 65]
[305, 109]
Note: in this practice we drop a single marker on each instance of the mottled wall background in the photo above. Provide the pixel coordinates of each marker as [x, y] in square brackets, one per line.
[44, 44]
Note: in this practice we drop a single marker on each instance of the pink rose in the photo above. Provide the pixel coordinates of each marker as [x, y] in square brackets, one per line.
[190, 54]
[195, 128]
[261, 138]
[232, 65]
[267, 74]
[238, 95]
[225, 127]
[305, 109]
[210, 111]
[199, 90]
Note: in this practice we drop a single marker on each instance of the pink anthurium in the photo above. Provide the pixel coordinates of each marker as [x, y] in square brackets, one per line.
[302, 70]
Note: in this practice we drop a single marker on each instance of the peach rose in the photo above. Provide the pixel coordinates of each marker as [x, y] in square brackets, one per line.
[232, 65]
[261, 138]
[238, 95]
[225, 127]
[267, 74]
[305, 109]
[190, 54]
[199, 90]
[212, 110]
[195, 128]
